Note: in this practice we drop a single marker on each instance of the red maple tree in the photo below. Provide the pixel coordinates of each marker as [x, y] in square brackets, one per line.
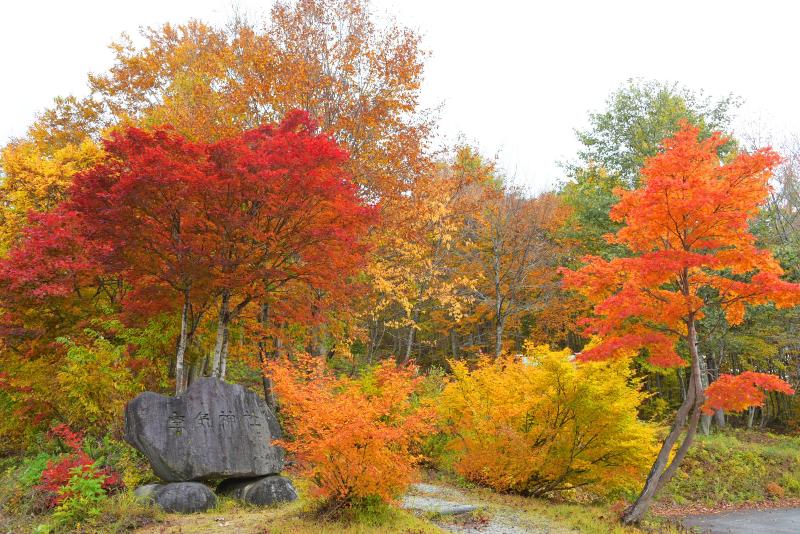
[179, 225]
[279, 210]
[687, 231]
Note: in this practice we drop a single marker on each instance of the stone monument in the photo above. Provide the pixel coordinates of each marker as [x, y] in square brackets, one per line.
[214, 430]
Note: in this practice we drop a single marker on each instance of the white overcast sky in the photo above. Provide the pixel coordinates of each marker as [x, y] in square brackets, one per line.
[514, 77]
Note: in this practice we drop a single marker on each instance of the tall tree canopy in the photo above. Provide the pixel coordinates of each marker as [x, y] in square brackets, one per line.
[179, 223]
[619, 139]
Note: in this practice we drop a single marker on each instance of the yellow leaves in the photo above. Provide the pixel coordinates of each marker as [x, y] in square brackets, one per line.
[541, 423]
[37, 179]
[94, 385]
[413, 262]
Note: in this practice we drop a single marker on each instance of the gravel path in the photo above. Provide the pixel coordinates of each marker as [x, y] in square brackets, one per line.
[455, 511]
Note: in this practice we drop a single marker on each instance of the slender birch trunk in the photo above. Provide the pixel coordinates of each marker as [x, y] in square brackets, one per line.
[223, 365]
[498, 340]
[180, 371]
[222, 327]
[410, 338]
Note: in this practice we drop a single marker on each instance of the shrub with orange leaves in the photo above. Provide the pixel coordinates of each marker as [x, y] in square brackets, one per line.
[542, 423]
[354, 438]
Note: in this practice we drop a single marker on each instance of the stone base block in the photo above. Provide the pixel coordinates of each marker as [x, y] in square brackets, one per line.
[181, 497]
[261, 491]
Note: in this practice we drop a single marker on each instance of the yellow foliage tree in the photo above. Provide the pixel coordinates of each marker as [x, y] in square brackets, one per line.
[541, 423]
[94, 384]
[413, 270]
[36, 178]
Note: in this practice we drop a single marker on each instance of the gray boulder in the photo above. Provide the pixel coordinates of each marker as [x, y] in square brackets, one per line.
[213, 430]
[146, 492]
[181, 497]
[261, 491]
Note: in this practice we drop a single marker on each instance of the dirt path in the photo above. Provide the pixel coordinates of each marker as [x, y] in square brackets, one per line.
[461, 511]
[777, 521]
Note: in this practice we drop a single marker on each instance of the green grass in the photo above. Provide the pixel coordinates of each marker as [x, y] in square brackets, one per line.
[737, 467]
[293, 518]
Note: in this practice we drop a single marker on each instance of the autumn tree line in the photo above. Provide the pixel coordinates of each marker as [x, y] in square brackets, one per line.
[229, 197]
[446, 257]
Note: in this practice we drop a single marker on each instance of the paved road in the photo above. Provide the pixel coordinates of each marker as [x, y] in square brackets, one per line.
[784, 521]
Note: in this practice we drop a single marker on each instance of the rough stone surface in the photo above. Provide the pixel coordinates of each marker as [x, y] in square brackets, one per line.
[181, 497]
[146, 492]
[260, 491]
[213, 430]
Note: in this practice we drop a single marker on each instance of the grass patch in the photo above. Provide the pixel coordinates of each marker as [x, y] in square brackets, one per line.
[294, 518]
[737, 467]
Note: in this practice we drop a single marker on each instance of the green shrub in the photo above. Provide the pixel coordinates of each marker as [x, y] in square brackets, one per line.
[131, 464]
[84, 496]
[19, 491]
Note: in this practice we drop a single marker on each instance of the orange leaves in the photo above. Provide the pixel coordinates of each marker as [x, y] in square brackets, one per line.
[737, 393]
[687, 230]
[358, 78]
[354, 438]
[688, 197]
[661, 349]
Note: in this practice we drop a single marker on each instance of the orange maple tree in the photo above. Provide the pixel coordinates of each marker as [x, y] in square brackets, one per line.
[686, 229]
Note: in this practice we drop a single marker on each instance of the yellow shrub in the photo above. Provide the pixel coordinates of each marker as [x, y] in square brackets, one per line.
[541, 423]
[95, 383]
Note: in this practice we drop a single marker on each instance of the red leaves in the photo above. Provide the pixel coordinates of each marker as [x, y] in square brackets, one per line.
[170, 217]
[58, 473]
[51, 261]
[661, 349]
[737, 393]
[73, 440]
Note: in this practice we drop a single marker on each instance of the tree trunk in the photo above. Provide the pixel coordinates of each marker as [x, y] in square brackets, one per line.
[263, 355]
[223, 363]
[453, 343]
[222, 328]
[661, 473]
[180, 371]
[681, 385]
[751, 412]
[705, 420]
[410, 339]
[409, 345]
[719, 418]
[498, 337]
